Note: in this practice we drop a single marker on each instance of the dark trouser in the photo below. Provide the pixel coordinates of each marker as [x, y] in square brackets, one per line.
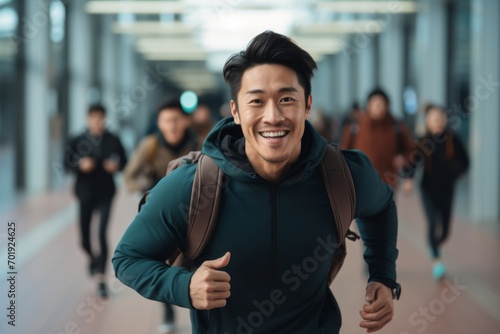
[87, 206]
[437, 205]
[169, 316]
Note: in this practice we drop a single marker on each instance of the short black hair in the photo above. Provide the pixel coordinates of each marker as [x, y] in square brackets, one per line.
[378, 92]
[170, 102]
[269, 48]
[429, 106]
[96, 108]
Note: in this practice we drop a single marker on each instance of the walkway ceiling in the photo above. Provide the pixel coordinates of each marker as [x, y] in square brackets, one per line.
[207, 32]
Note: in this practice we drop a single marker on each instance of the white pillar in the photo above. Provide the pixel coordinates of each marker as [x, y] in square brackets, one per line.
[36, 94]
[342, 66]
[431, 48]
[366, 73]
[391, 62]
[322, 86]
[484, 107]
[107, 57]
[79, 63]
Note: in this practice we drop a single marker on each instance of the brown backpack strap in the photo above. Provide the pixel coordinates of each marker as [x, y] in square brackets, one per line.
[191, 157]
[340, 189]
[204, 207]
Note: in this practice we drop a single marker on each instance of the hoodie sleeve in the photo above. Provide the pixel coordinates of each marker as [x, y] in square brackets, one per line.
[376, 217]
[154, 234]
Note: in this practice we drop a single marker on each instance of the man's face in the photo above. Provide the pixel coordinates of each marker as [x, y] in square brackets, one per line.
[95, 122]
[271, 110]
[172, 124]
[377, 107]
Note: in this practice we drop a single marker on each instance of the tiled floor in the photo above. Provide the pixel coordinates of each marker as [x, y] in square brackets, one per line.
[54, 295]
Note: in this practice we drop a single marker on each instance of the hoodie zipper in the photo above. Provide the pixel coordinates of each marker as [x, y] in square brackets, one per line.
[274, 232]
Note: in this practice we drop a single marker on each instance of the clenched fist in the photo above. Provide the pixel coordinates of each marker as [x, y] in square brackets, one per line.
[209, 287]
[86, 164]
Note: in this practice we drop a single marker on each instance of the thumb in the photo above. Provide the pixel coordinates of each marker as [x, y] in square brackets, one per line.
[371, 290]
[219, 263]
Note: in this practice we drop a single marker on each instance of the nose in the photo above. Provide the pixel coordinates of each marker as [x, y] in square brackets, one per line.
[272, 113]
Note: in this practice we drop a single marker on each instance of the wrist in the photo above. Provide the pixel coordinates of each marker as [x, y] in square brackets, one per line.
[394, 286]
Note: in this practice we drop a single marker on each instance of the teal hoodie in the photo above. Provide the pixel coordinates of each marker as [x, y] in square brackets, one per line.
[281, 238]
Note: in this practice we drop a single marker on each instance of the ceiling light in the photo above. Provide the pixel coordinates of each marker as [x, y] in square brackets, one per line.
[180, 56]
[318, 45]
[395, 7]
[153, 28]
[341, 27]
[173, 41]
[168, 45]
[136, 7]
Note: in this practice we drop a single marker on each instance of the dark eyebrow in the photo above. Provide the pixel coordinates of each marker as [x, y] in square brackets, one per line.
[288, 89]
[254, 91]
[281, 90]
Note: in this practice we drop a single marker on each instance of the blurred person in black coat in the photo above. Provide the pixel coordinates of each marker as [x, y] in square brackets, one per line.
[444, 160]
[94, 156]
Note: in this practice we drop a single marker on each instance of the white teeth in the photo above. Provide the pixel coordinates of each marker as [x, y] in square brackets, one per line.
[274, 134]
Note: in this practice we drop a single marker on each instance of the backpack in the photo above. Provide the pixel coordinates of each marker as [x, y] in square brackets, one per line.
[205, 200]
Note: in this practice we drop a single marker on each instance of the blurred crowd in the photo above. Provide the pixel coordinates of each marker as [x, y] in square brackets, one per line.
[436, 158]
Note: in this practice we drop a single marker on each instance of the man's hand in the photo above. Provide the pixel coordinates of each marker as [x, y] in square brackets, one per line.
[379, 309]
[110, 166]
[209, 287]
[408, 185]
[86, 164]
[399, 162]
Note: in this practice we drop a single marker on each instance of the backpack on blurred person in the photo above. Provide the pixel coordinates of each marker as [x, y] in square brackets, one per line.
[209, 181]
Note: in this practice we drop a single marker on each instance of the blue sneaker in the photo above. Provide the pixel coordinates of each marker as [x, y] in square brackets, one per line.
[438, 271]
[167, 328]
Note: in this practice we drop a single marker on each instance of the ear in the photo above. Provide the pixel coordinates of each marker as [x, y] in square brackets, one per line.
[234, 112]
[309, 106]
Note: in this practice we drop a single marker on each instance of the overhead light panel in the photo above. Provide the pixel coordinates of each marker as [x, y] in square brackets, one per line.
[169, 49]
[395, 7]
[177, 56]
[135, 7]
[318, 45]
[153, 28]
[340, 27]
[173, 41]
[168, 45]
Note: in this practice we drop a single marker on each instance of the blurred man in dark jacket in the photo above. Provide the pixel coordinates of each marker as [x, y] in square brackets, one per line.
[94, 156]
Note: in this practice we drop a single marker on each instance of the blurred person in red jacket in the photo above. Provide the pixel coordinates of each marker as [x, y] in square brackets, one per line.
[385, 140]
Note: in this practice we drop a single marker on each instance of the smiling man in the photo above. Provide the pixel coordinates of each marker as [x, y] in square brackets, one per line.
[266, 266]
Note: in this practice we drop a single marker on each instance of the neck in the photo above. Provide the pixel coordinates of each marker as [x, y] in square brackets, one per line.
[272, 171]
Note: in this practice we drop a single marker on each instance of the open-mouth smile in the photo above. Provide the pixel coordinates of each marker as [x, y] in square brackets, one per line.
[273, 134]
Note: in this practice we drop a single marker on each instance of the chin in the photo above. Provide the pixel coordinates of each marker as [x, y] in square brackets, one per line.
[276, 158]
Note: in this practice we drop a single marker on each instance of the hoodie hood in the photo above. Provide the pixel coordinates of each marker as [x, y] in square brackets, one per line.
[226, 145]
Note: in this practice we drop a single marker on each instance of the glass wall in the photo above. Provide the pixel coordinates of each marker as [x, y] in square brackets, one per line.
[9, 107]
